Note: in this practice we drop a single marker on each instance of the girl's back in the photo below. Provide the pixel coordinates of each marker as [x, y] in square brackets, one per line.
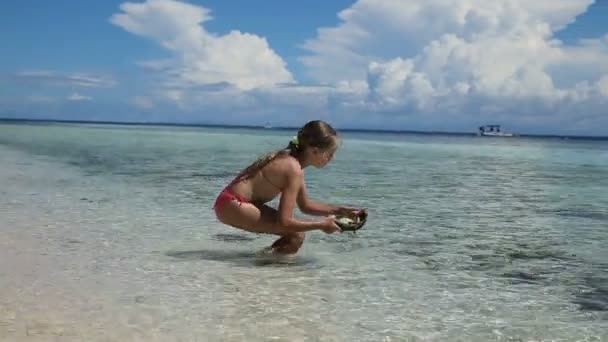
[265, 183]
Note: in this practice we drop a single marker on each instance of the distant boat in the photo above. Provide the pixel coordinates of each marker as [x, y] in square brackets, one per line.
[267, 125]
[493, 131]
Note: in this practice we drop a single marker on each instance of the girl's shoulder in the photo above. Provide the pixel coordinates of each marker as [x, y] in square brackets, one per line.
[286, 164]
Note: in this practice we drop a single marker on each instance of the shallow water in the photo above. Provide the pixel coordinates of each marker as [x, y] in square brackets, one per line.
[106, 233]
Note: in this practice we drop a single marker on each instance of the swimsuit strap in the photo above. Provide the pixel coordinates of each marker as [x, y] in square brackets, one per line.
[268, 180]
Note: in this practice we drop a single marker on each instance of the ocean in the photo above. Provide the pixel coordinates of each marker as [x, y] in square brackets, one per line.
[107, 234]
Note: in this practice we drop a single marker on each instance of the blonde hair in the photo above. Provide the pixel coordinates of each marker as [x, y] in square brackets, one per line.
[314, 133]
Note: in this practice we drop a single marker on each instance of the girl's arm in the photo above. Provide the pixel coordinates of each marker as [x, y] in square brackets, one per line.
[288, 202]
[310, 207]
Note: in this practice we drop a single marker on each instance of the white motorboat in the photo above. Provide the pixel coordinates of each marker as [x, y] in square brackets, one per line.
[493, 131]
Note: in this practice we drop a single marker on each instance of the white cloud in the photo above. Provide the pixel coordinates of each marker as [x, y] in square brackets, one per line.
[52, 78]
[200, 57]
[433, 64]
[380, 30]
[78, 97]
[475, 60]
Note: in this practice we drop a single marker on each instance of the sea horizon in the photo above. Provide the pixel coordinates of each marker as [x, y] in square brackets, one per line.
[289, 128]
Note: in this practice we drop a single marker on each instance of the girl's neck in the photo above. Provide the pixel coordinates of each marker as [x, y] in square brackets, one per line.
[301, 158]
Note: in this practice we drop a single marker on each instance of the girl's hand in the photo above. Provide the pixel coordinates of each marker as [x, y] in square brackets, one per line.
[349, 212]
[329, 225]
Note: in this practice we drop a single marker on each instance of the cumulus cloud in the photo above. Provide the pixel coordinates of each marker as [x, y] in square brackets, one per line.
[432, 64]
[477, 58]
[241, 59]
[380, 30]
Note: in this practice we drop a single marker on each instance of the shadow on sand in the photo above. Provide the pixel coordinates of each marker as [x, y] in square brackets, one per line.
[240, 258]
[232, 237]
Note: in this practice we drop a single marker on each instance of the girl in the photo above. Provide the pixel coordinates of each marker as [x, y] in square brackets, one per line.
[242, 204]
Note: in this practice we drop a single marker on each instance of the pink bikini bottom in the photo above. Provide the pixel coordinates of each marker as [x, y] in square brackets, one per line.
[226, 196]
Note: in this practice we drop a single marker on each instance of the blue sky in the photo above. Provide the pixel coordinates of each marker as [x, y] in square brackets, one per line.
[535, 67]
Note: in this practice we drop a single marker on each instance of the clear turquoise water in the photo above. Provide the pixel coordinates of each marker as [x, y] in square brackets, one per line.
[107, 233]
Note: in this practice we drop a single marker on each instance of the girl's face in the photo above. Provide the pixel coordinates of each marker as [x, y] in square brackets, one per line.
[322, 157]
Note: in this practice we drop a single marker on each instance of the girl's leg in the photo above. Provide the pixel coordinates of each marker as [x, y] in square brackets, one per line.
[288, 243]
[260, 219]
